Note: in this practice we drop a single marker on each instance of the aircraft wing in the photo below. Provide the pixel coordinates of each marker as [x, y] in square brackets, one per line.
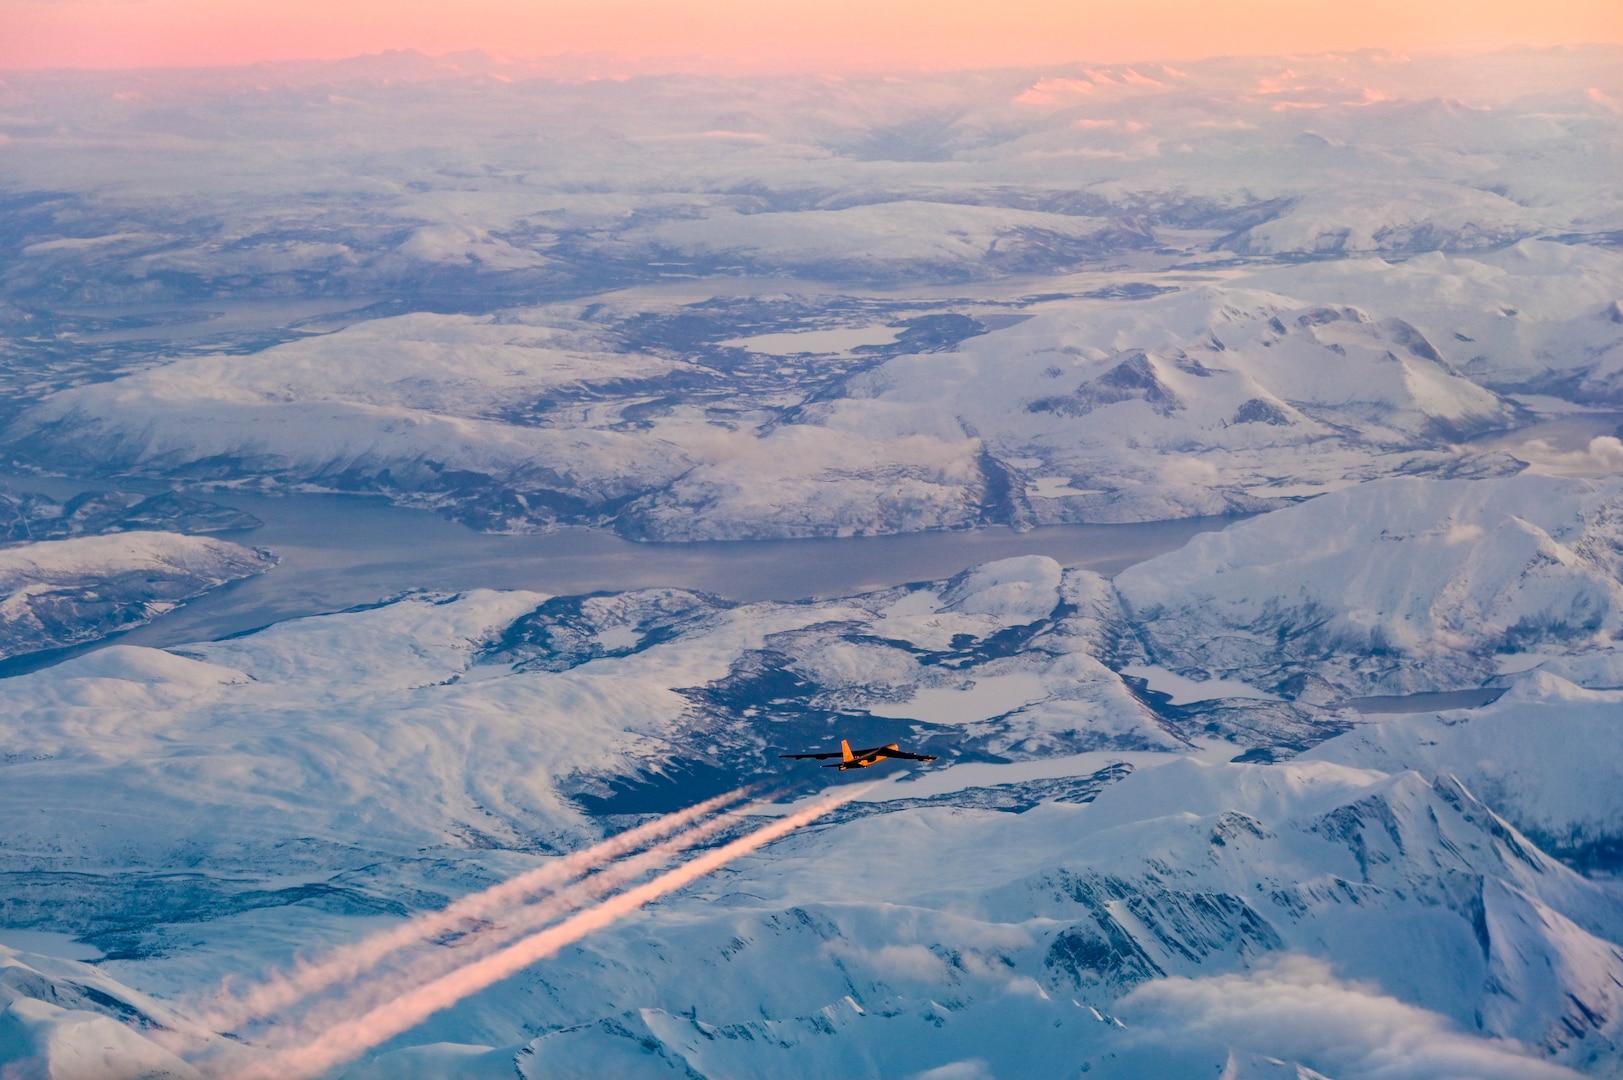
[904, 754]
[816, 757]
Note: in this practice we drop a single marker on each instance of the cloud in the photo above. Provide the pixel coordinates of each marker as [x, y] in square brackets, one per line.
[1129, 126]
[1602, 457]
[1297, 1010]
[1604, 100]
[913, 963]
[1048, 91]
[969, 1069]
[1190, 470]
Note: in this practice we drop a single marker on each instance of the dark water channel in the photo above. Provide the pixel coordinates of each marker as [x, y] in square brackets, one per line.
[1427, 701]
[342, 551]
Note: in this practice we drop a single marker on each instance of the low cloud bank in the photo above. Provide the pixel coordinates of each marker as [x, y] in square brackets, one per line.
[1297, 1010]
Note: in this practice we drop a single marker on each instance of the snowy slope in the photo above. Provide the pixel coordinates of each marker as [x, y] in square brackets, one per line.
[62, 1018]
[297, 784]
[691, 307]
[425, 400]
[1537, 315]
[66, 592]
[381, 720]
[1179, 902]
[903, 238]
[977, 923]
[1247, 280]
[1391, 587]
[1202, 401]
[1546, 755]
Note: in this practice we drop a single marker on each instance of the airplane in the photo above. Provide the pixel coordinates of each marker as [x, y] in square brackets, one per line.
[861, 759]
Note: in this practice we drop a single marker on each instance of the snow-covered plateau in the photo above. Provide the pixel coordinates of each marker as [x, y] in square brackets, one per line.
[1215, 815]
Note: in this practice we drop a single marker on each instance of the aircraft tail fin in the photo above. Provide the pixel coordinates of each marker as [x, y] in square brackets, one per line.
[845, 751]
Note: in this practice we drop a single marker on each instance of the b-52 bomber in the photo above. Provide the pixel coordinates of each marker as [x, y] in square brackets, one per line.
[861, 759]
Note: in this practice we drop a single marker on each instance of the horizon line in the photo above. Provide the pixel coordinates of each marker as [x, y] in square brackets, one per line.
[653, 65]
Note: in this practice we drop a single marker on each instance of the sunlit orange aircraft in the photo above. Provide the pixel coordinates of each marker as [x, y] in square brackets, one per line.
[861, 759]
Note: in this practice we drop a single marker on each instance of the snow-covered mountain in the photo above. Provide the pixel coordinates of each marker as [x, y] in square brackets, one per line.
[1092, 876]
[1392, 587]
[31, 515]
[1085, 294]
[65, 592]
[1174, 827]
[1543, 754]
[1168, 917]
[1202, 401]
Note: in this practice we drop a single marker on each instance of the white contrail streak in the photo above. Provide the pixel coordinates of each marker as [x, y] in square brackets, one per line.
[344, 1041]
[349, 961]
[514, 923]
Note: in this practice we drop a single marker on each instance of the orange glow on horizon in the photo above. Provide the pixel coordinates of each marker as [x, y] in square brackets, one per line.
[787, 34]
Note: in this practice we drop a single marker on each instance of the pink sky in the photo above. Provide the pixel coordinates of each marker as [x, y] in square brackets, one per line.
[810, 34]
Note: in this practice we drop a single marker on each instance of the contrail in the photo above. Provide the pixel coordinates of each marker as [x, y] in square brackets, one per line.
[515, 922]
[350, 961]
[344, 1041]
